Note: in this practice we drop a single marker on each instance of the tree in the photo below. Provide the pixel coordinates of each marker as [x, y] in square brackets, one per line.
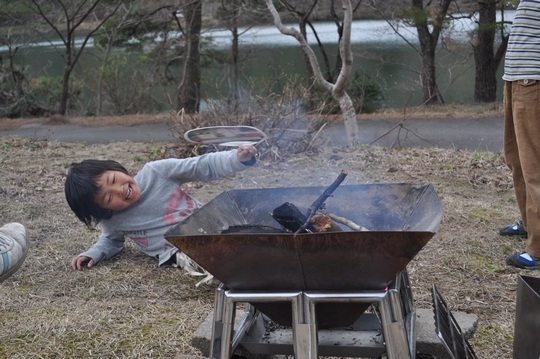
[487, 60]
[424, 18]
[12, 78]
[302, 11]
[337, 89]
[168, 35]
[428, 43]
[190, 85]
[339, 26]
[232, 14]
[104, 41]
[65, 18]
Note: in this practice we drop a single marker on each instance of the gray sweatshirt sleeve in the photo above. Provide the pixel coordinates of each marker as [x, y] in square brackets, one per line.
[106, 247]
[207, 167]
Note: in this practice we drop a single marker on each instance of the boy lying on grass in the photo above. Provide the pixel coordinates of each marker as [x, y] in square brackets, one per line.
[145, 206]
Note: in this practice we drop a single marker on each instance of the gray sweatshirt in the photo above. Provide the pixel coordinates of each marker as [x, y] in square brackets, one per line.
[162, 204]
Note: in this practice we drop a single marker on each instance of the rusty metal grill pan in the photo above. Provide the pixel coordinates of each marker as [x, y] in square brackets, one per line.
[401, 219]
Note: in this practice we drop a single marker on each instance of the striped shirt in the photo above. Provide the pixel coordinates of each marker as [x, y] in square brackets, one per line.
[522, 59]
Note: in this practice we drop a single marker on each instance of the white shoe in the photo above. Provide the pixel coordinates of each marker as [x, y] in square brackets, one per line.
[13, 249]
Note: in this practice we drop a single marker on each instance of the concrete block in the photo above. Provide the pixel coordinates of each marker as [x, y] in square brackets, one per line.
[203, 335]
[427, 341]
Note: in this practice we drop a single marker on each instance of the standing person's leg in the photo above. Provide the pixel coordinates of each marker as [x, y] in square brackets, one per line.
[13, 249]
[512, 158]
[526, 118]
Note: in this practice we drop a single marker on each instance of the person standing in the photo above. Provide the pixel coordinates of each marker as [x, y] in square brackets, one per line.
[522, 126]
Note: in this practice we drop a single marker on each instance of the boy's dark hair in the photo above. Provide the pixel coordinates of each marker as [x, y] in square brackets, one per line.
[80, 189]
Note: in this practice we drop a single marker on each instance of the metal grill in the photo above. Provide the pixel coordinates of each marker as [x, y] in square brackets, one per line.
[314, 282]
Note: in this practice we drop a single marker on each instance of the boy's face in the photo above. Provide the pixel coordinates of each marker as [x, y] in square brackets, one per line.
[117, 191]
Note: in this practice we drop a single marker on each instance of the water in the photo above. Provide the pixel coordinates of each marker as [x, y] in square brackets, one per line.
[377, 49]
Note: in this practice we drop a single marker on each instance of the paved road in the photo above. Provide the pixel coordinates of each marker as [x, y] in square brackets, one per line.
[484, 134]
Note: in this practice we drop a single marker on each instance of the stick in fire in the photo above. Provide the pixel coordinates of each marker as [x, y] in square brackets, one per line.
[347, 222]
[318, 203]
[291, 218]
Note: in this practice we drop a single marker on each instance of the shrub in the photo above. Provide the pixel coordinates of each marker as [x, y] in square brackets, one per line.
[128, 84]
[366, 92]
[282, 116]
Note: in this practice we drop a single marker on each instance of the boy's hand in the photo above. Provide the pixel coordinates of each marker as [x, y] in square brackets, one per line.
[80, 262]
[246, 152]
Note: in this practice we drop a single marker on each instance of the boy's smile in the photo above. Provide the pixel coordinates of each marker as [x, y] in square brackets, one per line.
[117, 191]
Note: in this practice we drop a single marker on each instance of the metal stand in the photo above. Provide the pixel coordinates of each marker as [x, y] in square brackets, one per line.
[393, 308]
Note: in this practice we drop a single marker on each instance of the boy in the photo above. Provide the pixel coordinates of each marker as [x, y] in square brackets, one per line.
[143, 207]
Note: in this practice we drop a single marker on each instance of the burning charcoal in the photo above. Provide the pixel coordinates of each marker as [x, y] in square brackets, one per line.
[320, 201]
[323, 223]
[290, 217]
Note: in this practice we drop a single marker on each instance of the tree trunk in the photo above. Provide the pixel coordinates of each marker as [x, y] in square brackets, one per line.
[427, 57]
[234, 95]
[485, 85]
[65, 92]
[64, 96]
[349, 118]
[428, 76]
[428, 42]
[338, 63]
[310, 77]
[189, 89]
[76, 13]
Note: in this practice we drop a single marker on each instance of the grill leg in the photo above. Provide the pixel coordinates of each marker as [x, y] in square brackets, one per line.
[217, 324]
[222, 342]
[393, 326]
[304, 328]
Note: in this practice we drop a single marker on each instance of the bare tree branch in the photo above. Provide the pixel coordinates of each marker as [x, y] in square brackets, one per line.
[345, 49]
[290, 31]
[338, 89]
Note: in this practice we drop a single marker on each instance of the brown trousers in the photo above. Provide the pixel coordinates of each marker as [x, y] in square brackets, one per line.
[522, 153]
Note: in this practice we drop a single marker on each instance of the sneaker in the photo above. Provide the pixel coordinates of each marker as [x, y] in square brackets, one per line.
[515, 230]
[13, 249]
[524, 261]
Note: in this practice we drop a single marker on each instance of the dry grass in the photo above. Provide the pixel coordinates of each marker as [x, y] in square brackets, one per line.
[474, 110]
[128, 308]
